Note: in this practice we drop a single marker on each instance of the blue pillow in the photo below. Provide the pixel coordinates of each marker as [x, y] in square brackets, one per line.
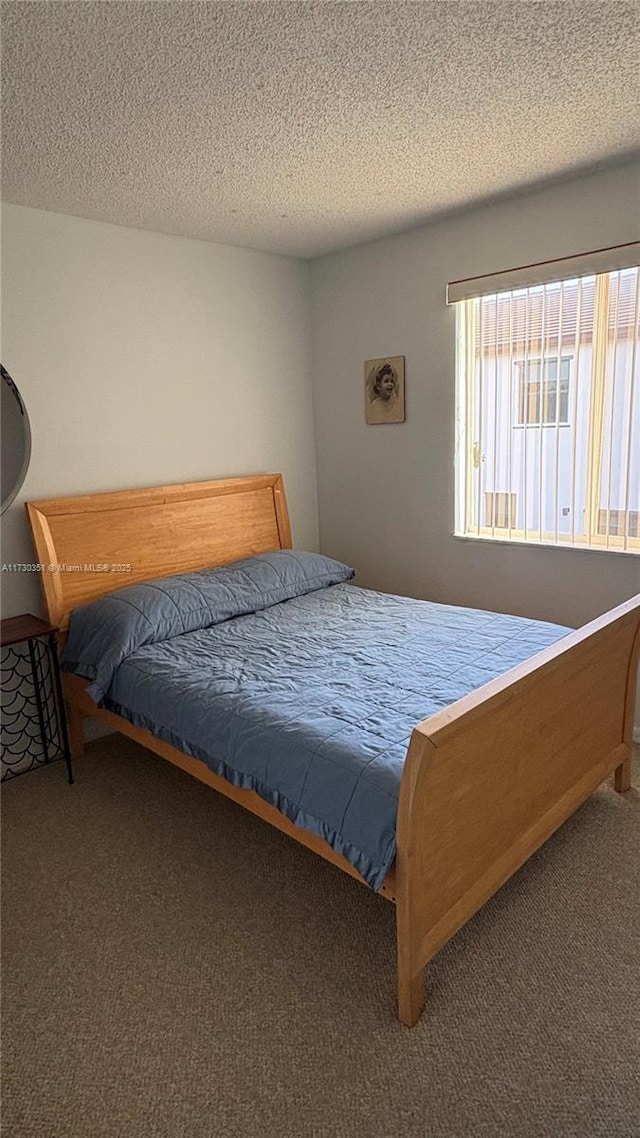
[103, 633]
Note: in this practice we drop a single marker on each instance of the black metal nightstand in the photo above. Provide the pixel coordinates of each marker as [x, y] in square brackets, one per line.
[32, 703]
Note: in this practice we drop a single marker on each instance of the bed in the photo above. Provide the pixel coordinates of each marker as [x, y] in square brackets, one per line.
[484, 772]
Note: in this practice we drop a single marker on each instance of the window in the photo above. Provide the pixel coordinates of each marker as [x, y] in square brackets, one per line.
[500, 510]
[548, 403]
[544, 402]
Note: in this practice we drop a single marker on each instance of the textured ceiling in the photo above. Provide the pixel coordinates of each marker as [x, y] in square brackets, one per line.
[301, 128]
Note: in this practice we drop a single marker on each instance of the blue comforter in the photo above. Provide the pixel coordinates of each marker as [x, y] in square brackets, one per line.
[310, 701]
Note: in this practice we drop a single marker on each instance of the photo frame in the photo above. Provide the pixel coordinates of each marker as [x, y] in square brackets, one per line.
[384, 390]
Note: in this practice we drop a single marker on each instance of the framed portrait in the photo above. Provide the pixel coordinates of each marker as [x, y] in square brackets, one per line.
[384, 390]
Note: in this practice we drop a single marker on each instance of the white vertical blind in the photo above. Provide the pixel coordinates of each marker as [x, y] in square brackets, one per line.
[549, 408]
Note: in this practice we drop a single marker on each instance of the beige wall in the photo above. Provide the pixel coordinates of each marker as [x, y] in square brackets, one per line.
[386, 493]
[145, 359]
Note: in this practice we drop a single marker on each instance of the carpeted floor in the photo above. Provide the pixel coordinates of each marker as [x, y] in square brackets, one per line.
[174, 968]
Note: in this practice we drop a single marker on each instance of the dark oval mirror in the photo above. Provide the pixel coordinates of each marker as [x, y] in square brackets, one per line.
[16, 441]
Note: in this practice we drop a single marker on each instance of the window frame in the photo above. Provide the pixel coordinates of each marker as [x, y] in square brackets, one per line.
[468, 515]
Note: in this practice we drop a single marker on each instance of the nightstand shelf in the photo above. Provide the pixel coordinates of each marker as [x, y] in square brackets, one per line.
[34, 726]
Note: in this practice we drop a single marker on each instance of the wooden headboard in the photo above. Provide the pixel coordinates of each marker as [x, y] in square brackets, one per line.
[90, 545]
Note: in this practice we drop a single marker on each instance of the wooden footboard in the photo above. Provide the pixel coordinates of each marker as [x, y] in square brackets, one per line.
[490, 778]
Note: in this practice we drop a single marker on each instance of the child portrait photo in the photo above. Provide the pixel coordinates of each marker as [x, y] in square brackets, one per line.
[384, 390]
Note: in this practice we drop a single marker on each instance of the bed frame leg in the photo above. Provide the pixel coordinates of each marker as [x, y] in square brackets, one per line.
[76, 734]
[622, 776]
[410, 997]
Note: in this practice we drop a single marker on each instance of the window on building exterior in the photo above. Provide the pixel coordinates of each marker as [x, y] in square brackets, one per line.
[543, 391]
[549, 413]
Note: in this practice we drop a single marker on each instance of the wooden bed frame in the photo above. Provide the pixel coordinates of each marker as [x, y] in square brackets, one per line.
[486, 781]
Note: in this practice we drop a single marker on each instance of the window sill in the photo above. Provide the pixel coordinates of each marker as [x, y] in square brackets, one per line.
[584, 546]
